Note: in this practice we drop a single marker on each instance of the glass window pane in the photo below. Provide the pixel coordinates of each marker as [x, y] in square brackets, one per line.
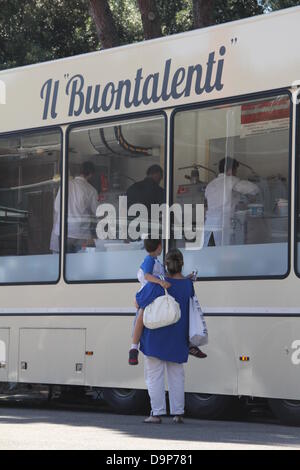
[112, 167]
[234, 160]
[29, 182]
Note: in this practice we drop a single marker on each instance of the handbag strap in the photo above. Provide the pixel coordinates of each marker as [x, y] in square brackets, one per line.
[162, 278]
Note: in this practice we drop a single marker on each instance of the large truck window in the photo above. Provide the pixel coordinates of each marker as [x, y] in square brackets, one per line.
[234, 159]
[29, 183]
[108, 163]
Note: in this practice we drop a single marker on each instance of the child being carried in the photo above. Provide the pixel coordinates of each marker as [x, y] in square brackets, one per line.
[151, 270]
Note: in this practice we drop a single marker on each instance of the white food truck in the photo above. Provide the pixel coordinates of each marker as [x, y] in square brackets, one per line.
[184, 103]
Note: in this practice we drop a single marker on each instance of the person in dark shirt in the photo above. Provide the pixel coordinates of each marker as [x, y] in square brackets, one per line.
[148, 191]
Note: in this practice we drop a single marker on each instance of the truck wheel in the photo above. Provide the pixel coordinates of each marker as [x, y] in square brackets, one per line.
[204, 406]
[288, 411]
[126, 400]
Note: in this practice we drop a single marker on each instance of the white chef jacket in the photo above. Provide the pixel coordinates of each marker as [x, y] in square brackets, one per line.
[82, 206]
[222, 195]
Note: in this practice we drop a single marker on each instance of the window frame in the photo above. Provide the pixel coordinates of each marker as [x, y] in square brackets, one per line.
[35, 131]
[233, 101]
[297, 188]
[127, 117]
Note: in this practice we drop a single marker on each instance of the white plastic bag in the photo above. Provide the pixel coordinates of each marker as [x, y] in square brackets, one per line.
[163, 311]
[198, 334]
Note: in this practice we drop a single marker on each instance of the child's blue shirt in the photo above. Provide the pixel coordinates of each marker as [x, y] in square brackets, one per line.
[150, 265]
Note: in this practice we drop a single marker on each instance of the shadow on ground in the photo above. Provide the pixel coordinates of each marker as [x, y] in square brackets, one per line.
[14, 410]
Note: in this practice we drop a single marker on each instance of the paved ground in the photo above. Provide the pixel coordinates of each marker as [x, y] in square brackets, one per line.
[31, 428]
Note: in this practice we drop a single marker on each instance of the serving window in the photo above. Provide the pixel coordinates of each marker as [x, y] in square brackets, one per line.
[233, 160]
[112, 169]
[29, 184]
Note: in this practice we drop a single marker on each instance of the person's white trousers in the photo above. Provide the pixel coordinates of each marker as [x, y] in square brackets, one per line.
[155, 380]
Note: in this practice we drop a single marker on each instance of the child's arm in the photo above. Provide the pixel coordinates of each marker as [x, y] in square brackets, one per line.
[156, 280]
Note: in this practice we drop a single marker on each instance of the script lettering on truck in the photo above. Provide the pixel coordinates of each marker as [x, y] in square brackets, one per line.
[144, 89]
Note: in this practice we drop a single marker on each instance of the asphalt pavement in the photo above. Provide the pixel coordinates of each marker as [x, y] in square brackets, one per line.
[33, 428]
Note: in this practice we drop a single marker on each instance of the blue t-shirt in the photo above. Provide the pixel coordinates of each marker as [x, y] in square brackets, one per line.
[170, 343]
[148, 264]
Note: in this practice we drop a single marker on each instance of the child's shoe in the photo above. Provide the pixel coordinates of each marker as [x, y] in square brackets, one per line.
[133, 357]
[196, 352]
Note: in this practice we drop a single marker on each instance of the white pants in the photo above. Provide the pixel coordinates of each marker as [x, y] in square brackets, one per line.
[155, 380]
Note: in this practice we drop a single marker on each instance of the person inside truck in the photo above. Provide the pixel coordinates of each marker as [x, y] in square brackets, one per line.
[222, 195]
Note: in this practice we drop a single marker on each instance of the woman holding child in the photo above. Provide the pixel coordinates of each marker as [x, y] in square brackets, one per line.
[167, 348]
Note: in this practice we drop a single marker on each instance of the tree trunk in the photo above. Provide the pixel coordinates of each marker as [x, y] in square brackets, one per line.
[150, 19]
[105, 25]
[203, 13]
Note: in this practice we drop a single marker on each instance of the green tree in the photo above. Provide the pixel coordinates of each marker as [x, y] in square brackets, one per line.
[174, 16]
[39, 30]
[128, 21]
[273, 5]
[105, 24]
[231, 10]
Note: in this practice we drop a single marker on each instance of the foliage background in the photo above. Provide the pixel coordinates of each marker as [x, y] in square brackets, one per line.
[38, 30]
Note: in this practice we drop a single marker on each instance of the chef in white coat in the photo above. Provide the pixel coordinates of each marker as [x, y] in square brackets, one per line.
[222, 195]
[82, 206]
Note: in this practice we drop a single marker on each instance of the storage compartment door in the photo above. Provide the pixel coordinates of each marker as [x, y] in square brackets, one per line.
[52, 356]
[4, 348]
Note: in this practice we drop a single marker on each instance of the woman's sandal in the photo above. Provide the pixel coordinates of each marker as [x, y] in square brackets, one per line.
[196, 352]
[153, 420]
[178, 420]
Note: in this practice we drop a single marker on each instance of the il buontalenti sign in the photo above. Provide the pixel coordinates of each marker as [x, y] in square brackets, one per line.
[171, 83]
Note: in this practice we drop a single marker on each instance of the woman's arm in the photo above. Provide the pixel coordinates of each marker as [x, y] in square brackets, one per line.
[148, 294]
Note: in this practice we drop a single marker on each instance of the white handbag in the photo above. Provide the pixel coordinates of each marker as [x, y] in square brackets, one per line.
[198, 334]
[163, 311]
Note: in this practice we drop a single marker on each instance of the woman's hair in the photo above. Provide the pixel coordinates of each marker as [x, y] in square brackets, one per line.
[174, 261]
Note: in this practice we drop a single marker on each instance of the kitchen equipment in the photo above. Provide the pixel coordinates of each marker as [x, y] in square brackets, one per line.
[282, 207]
[256, 210]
